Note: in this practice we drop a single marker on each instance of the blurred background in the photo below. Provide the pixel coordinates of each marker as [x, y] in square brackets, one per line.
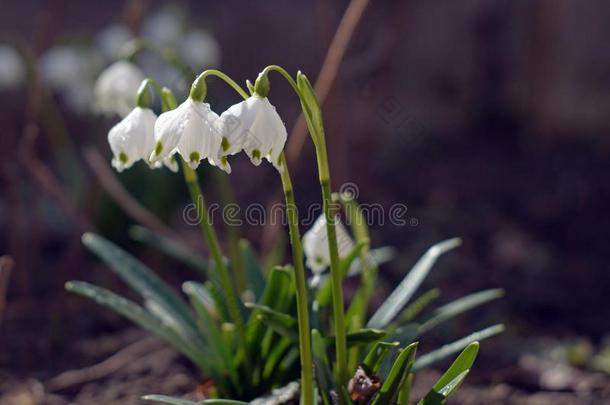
[488, 119]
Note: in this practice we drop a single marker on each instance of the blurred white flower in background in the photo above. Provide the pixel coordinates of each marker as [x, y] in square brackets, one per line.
[112, 39]
[200, 50]
[116, 88]
[12, 68]
[315, 244]
[70, 71]
[165, 27]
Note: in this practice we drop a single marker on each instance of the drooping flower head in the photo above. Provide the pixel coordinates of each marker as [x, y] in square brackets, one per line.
[188, 130]
[116, 87]
[132, 139]
[255, 127]
[315, 244]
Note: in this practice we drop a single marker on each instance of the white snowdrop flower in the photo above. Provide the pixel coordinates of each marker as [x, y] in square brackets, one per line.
[112, 39]
[116, 88]
[315, 244]
[132, 139]
[12, 69]
[254, 126]
[189, 131]
[200, 50]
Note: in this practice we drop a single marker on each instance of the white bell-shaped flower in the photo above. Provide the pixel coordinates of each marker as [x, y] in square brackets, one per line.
[116, 87]
[254, 126]
[132, 139]
[315, 244]
[188, 130]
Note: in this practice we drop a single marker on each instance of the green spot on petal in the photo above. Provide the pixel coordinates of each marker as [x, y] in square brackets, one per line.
[224, 161]
[256, 154]
[158, 148]
[123, 158]
[194, 157]
[225, 144]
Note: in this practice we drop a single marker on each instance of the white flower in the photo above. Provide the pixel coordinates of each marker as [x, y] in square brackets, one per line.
[112, 39]
[164, 27]
[200, 50]
[254, 126]
[12, 68]
[61, 66]
[315, 244]
[188, 130]
[132, 139]
[70, 72]
[116, 88]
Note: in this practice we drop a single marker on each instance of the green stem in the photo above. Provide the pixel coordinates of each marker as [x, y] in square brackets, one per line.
[192, 182]
[227, 197]
[301, 287]
[336, 284]
[316, 131]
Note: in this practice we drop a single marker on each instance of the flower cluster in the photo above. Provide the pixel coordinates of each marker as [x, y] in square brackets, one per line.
[193, 130]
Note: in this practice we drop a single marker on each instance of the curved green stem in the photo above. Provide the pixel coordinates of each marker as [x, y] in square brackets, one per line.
[285, 74]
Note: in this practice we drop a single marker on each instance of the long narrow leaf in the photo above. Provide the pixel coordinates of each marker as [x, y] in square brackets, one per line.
[141, 279]
[405, 290]
[373, 360]
[170, 247]
[221, 349]
[459, 306]
[400, 369]
[361, 337]
[284, 324]
[449, 349]
[322, 366]
[164, 399]
[139, 316]
[462, 363]
[254, 272]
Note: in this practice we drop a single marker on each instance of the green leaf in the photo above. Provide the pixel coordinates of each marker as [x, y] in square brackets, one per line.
[404, 393]
[275, 356]
[164, 399]
[417, 306]
[142, 280]
[139, 316]
[449, 349]
[463, 363]
[373, 360]
[278, 284]
[200, 297]
[361, 337]
[441, 395]
[170, 247]
[400, 369]
[223, 402]
[254, 273]
[460, 306]
[405, 290]
[322, 366]
[283, 324]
